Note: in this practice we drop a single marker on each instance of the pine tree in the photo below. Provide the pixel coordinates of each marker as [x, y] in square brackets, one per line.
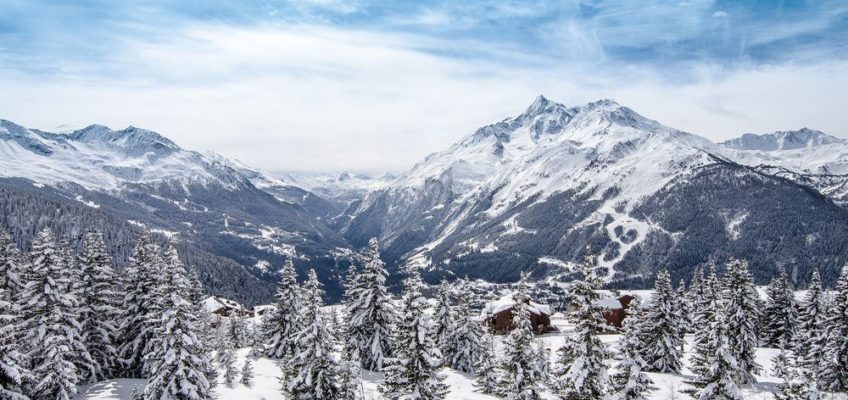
[11, 268]
[742, 316]
[315, 369]
[176, 362]
[137, 393]
[13, 371]
[779, 312]
[256, 349]
[238, 332]
[247, 373]
[465, 344]
[810, 339]
[142, 304]
[521, 377]
[99, 302]
[663, 336]
[703, 319]
[445, 320]
[684, 322]
[718, 381]
[489, 377]
[81, 357]
[195, 297]
[228, 363]
[370, 315]
[281, 325]
[50, 322]
[413, 372]
[582, 374]
[630, 382]
[350, 378]
[832, 370]
[222, 343]
[798, 383]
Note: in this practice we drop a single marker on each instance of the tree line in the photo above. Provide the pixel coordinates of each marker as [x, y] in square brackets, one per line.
[70, 320]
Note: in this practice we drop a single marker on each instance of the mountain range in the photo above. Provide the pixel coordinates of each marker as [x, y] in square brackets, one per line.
[534, 192]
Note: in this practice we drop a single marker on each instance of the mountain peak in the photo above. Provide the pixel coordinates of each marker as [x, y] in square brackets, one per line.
[131, 138]
[541, 105]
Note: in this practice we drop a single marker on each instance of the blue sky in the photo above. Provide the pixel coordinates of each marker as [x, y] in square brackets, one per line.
[368, 85]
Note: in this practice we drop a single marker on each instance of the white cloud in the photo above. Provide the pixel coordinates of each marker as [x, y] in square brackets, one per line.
[317, 98]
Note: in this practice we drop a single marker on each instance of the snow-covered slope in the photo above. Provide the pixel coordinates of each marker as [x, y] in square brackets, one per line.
[221, 205]
[603, 151]
[99, 158]
[541, 186]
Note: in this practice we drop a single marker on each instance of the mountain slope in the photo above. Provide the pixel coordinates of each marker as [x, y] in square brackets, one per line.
[203, 199]
[530, 193]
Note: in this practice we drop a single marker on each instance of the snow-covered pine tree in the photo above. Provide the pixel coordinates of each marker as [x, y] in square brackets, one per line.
[832, 372]
[280, 327]
[370, 315]
[256, 349]
[99, 306]
[466, 345]
[247, 373]
[663, 336]
[142, 304]
[682, 311]
[489, 377]
[742, 317]
[521, 375]
[137, 393]
[51, 325]
[350, 378]
[809, 339]
[444, 320]
[13, 371]
[779, 313]
[693, 295]
[222, 343]
[585, 377]
[82, 359]
[228, 363]
[797, 383]
[718, 380]
[177, 363]
[314, 368]
[413, 372]
[630, 382]
[238, 332]
[350, 347]
[11, 268]
[703, 319]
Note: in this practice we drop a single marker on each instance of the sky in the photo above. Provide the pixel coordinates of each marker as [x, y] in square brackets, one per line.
[374, 86]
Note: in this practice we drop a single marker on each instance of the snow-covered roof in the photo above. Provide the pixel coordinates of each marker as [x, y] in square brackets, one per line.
[506, 302]
[215, 303]
[609, 304]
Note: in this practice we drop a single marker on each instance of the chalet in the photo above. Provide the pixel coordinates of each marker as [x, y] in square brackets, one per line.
[614, 310]
[498, 316]
[225, 307]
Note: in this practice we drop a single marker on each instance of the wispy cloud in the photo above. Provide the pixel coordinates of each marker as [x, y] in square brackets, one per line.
[330, 84]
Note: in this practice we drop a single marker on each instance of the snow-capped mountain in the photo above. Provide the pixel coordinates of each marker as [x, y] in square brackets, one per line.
[808, 157]
[531, 192]
[804, 151]
[338, 185]
[220, 205]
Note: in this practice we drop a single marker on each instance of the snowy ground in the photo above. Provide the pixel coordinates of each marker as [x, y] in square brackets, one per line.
[266, 383]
